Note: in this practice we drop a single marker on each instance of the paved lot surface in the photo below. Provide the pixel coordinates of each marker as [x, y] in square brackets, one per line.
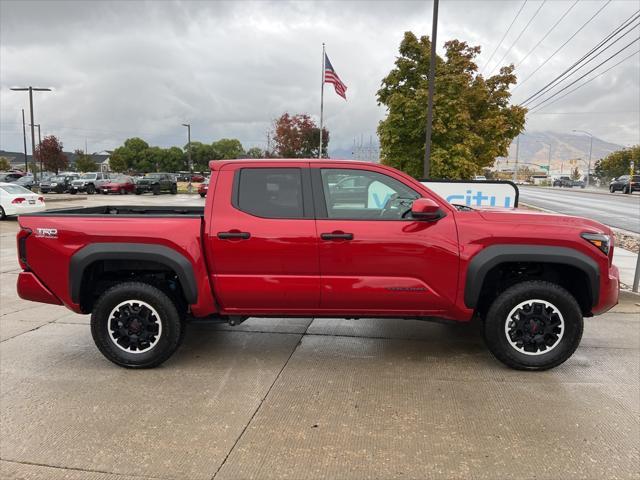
[310, 398]
[618, 210]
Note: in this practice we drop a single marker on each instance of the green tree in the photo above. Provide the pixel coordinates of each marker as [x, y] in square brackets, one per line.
[473, 122]
[172, 160]
[131, 154]
[201, 154]
[227, 149]
[255, 152]
[618, 163]
[297, 136]
[84, 162]
[575, 173]
[4, 164]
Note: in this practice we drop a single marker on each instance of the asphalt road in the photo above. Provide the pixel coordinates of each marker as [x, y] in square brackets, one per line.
[613, 209]
[309, 398]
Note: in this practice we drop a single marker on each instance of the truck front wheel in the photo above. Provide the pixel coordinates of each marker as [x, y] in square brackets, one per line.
[534, 325]
[136, 325]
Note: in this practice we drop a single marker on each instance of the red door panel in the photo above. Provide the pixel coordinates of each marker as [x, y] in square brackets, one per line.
[274, 270]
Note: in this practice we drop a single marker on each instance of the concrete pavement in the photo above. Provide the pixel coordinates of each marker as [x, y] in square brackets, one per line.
[614, 209]
[310, 398]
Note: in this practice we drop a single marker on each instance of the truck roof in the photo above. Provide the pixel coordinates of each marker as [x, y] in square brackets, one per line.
[218, 164]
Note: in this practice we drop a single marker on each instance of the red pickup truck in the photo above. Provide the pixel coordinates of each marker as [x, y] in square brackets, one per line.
[319, 238]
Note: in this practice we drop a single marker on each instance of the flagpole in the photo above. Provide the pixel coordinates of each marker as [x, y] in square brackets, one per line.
[321, 101]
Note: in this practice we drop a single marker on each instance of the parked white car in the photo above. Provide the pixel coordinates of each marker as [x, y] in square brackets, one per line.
[16, 200]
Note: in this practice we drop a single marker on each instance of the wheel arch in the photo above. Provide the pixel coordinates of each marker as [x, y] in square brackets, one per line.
[495, 256]
[170, 259]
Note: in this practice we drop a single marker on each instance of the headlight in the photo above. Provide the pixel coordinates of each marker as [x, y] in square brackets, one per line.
[598, 240]
[54, 184]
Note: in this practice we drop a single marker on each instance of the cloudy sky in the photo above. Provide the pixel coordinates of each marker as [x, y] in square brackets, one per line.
[123, 68]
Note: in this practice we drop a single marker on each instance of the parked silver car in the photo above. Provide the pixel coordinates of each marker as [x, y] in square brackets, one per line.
[89, 182]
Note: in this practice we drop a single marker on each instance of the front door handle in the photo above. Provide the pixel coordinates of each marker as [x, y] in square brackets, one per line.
[234, 235]
[336, 236]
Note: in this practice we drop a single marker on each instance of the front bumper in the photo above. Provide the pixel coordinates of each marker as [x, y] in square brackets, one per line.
[609, 291]
[78, 188]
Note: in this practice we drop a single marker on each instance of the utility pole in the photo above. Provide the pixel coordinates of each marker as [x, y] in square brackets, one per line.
[515, 170]
[590, 151]
[432, 73]
[33, 140]
[322, 101]
[188, 125]
[24, 135]
[39, 147]
[267, 154]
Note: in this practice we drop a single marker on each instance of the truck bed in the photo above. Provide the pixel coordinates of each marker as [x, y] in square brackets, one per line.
[124, 211]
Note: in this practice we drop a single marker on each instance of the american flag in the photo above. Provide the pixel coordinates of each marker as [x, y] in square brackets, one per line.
[330, 76]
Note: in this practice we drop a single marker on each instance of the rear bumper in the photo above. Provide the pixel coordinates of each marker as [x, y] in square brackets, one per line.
[32, 289]
[77, 188]
[609, 291]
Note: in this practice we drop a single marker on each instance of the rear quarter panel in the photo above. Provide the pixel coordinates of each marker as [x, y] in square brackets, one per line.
[49, 257]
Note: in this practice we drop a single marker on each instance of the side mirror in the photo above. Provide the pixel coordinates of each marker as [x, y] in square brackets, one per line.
[426, 209]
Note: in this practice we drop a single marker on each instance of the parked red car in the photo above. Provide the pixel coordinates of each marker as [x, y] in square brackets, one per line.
[289, 238]
[203, 188]
[122, 184]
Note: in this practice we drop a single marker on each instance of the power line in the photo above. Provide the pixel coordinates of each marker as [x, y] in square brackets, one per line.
[585, 83]
[582, 76]
[520, 35]
[548, 32]
[504, 36]
[594, 50]
[562, 46]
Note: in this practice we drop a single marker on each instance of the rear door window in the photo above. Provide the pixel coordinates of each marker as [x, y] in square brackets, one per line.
[269, 192]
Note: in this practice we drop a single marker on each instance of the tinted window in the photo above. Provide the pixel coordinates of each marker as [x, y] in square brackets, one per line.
[270, 192]
[365, 195]
[635, 178]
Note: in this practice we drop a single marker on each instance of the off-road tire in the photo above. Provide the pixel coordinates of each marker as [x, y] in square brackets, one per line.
[91, 189]
[497, 316]
[168, 315]
[611, 189]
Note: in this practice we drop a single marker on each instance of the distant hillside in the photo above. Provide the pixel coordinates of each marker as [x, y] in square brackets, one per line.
[564, 147]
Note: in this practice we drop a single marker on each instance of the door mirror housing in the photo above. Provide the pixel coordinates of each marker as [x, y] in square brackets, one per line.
[426, 209]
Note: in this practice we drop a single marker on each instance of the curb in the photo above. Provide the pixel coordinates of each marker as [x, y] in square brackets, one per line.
[581, 190]
[629, 296]
[63, 199]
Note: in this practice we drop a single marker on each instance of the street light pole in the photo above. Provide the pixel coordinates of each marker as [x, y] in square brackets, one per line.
[188, 125]
[515, 170]
[24, 135]
[33, 140]
[590, 151]
[426, 169]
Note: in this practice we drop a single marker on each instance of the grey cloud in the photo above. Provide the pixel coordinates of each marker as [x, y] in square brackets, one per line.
[121, 69]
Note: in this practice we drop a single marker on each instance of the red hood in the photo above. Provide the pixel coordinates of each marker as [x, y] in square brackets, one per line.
[532, 217]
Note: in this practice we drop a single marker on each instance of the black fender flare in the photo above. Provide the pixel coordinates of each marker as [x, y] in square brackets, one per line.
[494, 255]
[177, 262]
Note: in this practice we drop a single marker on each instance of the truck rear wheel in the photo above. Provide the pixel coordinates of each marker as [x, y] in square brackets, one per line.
[533, 325]
[136, 325]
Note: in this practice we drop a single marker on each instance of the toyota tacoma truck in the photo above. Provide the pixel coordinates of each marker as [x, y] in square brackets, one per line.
[319, 238]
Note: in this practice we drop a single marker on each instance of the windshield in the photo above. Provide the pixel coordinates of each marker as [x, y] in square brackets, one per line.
[16, 190]
[57, 179]
[121, 179]
[153, 175]
[88, 176]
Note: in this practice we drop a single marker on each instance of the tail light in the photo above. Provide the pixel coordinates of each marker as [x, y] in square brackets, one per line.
[41, 199]
[23, 234]
[18, 200]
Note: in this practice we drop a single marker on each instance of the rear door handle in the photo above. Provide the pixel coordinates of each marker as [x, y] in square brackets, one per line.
[234, 235]
[336, 236]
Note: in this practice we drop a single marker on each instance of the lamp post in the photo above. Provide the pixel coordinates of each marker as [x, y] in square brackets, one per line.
[33, 140]
[590, 150]
[188, 125]
[39, 147]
